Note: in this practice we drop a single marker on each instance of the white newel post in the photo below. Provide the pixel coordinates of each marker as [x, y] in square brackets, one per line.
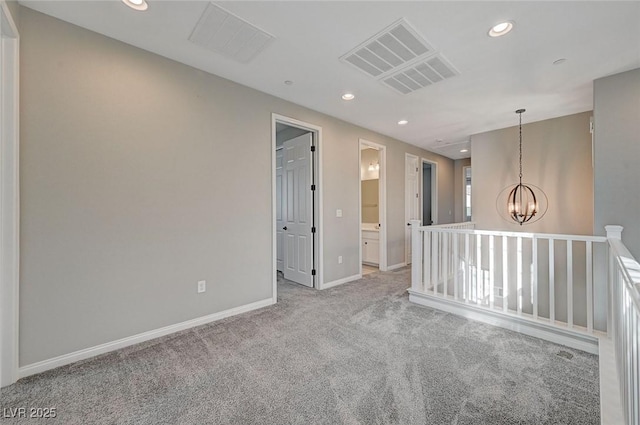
[614, 232]
[416, 256]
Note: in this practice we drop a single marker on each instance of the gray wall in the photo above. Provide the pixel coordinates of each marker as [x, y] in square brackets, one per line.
[135, 185]
[14, 9]
[556, 157]
[617, 155]
[288, 134]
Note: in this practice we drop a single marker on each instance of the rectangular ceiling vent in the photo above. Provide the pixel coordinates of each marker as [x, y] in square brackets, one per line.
[222, 32]
[421, 74]
[401, 59]
[390, 49]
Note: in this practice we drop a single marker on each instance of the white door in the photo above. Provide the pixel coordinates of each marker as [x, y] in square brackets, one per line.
[412, 199]
[297, 214]
[280, 209]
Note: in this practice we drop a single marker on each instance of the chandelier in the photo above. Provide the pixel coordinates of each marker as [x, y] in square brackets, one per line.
[522, 203]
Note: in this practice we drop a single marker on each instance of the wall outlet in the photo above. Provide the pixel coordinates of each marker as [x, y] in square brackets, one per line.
[338, 213]
[339, 259]
[202, 286]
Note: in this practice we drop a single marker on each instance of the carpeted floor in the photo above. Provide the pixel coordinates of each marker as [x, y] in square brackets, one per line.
[359, 353]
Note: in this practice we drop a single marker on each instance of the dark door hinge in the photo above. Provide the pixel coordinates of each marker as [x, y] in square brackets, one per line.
[313, 272]
[313, 230]
[313, 148]
[313, 187]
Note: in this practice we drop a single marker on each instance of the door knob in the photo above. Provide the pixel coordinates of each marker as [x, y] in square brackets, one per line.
[408, 224]
[284, 228]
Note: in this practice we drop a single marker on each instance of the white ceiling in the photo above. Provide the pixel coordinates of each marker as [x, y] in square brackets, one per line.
[497, 76]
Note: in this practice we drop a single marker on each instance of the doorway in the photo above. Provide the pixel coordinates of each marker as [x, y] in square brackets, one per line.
[421, 195]
[296, 202]
[411, 199]
[373, 209]
[466, 193]
[429, 186]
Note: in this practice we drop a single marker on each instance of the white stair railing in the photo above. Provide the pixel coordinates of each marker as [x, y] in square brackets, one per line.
[561, 282]
[624, 275]
[548, 278]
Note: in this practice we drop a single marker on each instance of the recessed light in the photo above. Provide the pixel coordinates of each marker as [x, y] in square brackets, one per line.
[348, 96]
[559, 61]
[500, 29]
[136, 4]
[464, 150]
[403, 122]
[288, 82]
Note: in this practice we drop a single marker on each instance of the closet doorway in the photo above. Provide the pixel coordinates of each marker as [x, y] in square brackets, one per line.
[373, 211]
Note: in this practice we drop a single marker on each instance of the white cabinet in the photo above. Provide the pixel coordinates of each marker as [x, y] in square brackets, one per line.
[370, 247]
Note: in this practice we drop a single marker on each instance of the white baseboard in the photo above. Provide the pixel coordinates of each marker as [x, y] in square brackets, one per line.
[611, 412]
[573, 339]
[396, 266]
[86, 353]
[341, 281]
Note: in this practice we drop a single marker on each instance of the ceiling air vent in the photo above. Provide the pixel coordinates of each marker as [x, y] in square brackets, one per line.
[400, 58]
[421, 74]
[222, 32]
[390, 49]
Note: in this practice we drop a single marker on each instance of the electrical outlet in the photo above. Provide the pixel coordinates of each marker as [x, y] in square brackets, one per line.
[338, 213]
[202, 286]
[339, 259]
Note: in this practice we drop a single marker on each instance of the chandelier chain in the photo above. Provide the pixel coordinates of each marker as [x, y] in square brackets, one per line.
[520, 114]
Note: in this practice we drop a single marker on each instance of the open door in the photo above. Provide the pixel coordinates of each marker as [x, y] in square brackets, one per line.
[297, 211]
[280, 210]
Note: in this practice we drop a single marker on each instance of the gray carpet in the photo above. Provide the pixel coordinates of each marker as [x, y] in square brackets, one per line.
[359, 353]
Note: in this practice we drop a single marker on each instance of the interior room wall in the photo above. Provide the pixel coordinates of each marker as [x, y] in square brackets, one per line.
[556, 157]
[14, 9]
[370, 185]
[617, 155]
[370, 201]
[369, 156]
[136, 184]
[458, 188]
[288, 134]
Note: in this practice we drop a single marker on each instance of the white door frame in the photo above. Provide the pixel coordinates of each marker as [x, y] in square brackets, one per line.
[382, 201]
[317, 165]
[434, 189]
[9, 197]
[407, 235]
